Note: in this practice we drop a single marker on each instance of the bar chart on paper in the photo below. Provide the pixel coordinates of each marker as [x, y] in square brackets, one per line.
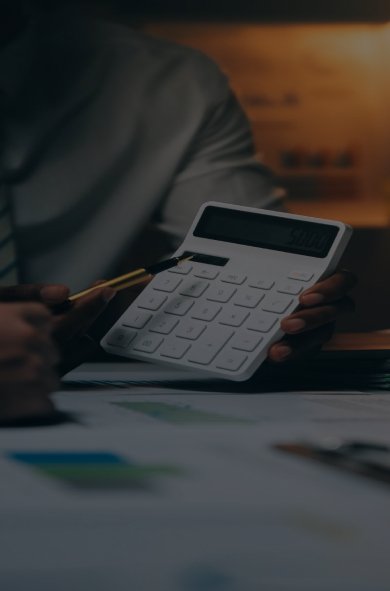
[95, 470]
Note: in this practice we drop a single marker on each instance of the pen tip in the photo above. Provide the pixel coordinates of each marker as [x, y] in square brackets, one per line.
[184, 259]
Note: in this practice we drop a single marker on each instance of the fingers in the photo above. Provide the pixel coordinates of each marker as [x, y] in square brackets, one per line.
[28, 357]
[36, 315]
[308, 319]
[39, 292]
[294, 347]
[82, 315]
[329, 290]
[321, 304]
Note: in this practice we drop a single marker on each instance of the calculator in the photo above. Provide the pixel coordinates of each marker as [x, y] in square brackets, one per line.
[220, 312]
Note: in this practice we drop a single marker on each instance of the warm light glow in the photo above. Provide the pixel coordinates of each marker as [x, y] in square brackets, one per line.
[317, 97]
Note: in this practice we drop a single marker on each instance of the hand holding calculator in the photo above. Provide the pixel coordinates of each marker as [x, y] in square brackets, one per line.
[221, 311]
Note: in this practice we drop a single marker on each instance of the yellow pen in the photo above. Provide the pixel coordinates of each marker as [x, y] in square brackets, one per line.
[134, 277]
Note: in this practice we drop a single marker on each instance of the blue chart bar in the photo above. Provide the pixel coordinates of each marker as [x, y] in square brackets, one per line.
[93, 470]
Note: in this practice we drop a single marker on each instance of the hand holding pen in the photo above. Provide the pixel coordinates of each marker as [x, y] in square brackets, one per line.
[133, 278]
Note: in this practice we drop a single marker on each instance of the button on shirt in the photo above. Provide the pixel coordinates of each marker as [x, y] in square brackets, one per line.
[108, 133]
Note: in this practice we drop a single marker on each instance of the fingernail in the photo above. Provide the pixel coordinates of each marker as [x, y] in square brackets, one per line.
[108, 293]
[294, 325]
[283, 353]
[54, 293]
[312, 299]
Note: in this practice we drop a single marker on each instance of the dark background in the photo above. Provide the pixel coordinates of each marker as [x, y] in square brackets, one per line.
[259, 10]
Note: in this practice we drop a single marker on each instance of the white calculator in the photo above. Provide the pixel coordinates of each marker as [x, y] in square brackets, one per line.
[221, 311]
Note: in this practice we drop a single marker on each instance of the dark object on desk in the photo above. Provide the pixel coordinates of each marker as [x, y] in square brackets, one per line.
[367, 256]
[330, 370]
[367, 459]
[49, 420]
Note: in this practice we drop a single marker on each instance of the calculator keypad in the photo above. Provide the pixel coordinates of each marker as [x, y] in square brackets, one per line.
[201, 315]
[194, 288]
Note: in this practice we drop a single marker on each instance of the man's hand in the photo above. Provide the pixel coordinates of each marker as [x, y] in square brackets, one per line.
[71, 326]
[28, 357]
[313, 324]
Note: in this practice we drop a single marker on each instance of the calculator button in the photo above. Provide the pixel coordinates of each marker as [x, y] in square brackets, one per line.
[164, 324]
[290, 287]
[301, 275]
[205, 311]
[221, 293]
[190, 330]
[261, 283]
[120, 337]
[194, 288]
[233, 317]
[206, 273]
[262, 322]
[148, 343]
[181, 269]
[179, 306]
[152, 301]
[246, 341]
[210, 343]
[231, 360]
[174, 349]
[236, 278]
[248, 299]
[277, 304]
[136, 318]
[166, 283]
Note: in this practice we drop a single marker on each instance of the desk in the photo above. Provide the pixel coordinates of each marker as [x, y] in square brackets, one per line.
[208, 503]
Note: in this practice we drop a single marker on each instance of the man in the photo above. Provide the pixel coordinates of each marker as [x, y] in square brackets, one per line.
[110, 142]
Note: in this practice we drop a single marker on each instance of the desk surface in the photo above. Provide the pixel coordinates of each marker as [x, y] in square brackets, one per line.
[161, 489]
[360, 341]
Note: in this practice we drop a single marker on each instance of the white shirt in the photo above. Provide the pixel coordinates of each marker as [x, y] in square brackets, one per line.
[111, 136]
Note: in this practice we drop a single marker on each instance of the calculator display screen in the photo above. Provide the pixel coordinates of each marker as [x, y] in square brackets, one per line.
[266, 231]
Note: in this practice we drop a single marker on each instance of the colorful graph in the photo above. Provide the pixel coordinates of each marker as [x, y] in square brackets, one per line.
[179, 414]
[94, 470]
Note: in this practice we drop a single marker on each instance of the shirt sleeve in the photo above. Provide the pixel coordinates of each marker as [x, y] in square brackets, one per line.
[220, 166]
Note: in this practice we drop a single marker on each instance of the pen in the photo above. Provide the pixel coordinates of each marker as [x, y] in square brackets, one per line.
[134, 277]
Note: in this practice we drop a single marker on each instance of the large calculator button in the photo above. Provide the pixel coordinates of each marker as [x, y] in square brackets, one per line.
[261, 283]
[205, 311]
[166, 282]
[194, 288]
[179, 306]
[262, 322]
[147, 343]
[221, 293]
[290, 287]
[236, 278]
[246, 341]
[248, 299]
[181, 269]
[174, 349]
[231, 360]
[210, 343]
[152, 301]
[233, 317]
[163, 324]
[301, 275]
[120, 337]
[276, 304]
[136, 318]
[190, 330]
[206, 273]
